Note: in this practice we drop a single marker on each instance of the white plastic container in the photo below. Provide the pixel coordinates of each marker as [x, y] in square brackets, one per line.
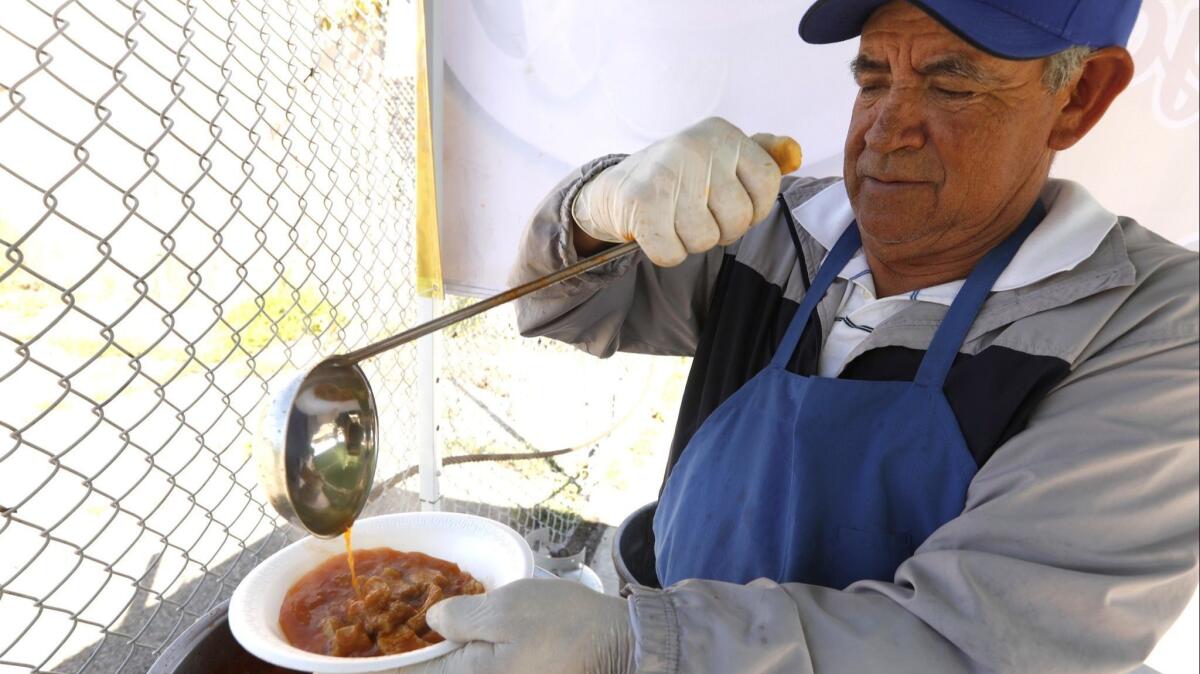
[490, 551]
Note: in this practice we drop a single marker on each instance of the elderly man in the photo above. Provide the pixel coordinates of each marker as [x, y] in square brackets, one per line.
[943, 412]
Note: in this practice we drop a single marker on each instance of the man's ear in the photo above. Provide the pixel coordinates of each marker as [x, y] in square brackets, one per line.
[1105, 74]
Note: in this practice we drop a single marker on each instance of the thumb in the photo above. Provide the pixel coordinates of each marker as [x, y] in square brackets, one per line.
[783, 149]
[466, 618]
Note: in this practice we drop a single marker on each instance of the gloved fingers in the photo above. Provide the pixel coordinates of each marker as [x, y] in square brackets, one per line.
[467, 618]
[472, 658]
[653, 226]
[435, 666]
[760, 177]
[731, 207]
[662, 246]
[695, 225]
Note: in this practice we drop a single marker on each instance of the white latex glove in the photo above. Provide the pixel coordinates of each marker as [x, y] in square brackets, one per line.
[704, 186]
[532, 626]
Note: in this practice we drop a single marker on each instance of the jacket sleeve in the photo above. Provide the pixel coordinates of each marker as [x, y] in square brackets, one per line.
[1075, 552]
[628, 304]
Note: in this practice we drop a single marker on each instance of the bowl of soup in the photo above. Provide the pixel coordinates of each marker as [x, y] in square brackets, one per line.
[304, 608]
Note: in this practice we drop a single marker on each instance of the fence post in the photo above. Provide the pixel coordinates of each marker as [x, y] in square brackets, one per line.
[429, 456]
[430, 459]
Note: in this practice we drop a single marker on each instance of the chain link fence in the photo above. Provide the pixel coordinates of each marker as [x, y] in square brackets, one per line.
[556, 418]
[197, 199]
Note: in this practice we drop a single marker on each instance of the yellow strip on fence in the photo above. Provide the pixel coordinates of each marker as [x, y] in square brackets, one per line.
[429, 254]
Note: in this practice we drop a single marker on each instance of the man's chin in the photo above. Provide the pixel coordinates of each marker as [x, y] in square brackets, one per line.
[892, 224]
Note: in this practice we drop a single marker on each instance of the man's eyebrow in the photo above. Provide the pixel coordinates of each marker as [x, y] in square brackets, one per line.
[863, 64]
[957, 66]
[953, 66]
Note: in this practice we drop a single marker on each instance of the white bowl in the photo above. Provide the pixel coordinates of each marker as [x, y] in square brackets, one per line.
[491, 552]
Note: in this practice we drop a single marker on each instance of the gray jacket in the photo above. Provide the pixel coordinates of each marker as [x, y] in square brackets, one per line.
[1077, 546]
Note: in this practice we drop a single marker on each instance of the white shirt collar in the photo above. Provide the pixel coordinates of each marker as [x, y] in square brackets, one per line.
[1074, 226]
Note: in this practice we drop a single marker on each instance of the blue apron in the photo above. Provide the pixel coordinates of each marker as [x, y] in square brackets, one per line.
[825, 481]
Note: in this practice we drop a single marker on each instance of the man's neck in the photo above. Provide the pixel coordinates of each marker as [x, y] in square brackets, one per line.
[900, 268]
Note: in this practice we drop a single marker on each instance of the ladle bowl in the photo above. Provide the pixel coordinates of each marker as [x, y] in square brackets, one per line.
[317, 449]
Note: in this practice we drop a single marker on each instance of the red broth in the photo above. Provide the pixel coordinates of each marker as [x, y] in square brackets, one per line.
[322, 613]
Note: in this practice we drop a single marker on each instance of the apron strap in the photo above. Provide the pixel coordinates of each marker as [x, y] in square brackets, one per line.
[952, 332]
[845, 248]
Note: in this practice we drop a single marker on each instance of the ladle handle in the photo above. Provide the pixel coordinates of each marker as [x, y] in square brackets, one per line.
[483, 305]
[783, 149]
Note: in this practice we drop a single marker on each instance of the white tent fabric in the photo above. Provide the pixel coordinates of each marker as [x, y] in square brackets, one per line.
[532, 89]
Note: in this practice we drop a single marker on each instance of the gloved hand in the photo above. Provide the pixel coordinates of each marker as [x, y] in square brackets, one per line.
[704, 186]
[532, 626]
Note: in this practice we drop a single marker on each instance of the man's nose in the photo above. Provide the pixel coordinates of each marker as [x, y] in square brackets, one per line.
[899, 123]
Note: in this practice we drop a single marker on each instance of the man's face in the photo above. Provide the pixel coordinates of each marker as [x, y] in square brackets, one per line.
[942, 135]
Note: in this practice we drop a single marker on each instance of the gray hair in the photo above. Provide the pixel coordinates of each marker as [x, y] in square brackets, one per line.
[1062, 68]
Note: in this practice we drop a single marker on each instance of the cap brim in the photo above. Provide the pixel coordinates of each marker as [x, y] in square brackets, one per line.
[991, 30]
[828, 21]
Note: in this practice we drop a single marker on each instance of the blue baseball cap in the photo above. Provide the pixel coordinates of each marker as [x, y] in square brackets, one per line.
[1012, 29]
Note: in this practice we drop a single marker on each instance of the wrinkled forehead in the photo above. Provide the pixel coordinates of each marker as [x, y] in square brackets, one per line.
[902, 30]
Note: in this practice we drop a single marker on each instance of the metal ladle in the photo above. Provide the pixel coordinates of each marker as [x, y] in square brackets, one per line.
[316, 451]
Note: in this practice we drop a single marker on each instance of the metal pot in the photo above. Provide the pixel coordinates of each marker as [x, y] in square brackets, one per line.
[208, 647]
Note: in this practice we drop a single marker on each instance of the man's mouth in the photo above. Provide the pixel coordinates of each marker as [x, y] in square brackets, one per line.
[890, 181]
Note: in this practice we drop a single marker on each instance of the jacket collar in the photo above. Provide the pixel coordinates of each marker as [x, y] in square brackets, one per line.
[1074, 227]
[1081, 253]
